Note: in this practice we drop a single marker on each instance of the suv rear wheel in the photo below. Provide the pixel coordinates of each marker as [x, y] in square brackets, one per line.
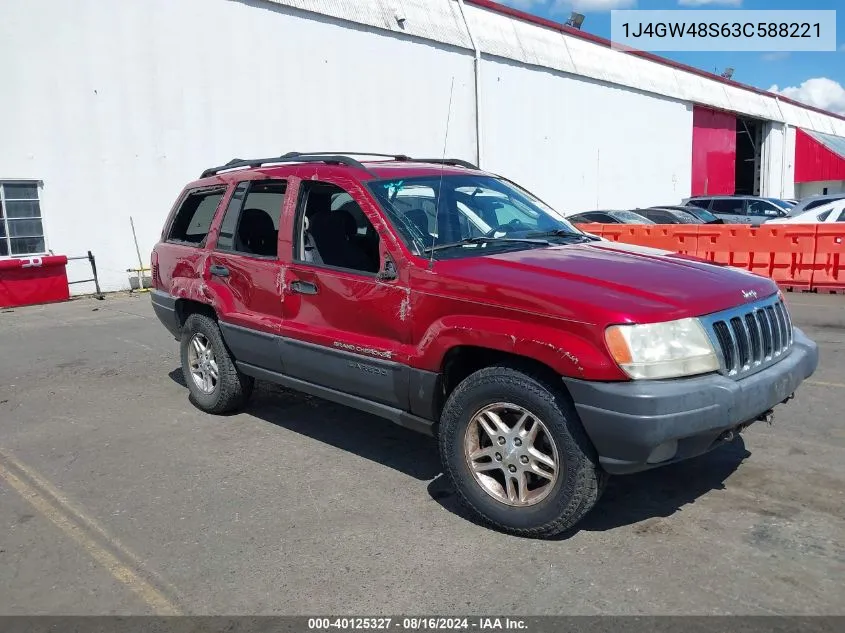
[515, 451]
[214, 381]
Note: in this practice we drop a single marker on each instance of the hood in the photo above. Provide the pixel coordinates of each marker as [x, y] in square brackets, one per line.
[605, 282]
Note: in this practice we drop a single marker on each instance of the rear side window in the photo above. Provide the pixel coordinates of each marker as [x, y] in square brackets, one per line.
[656, 216]
[194, 217]
[601, 218]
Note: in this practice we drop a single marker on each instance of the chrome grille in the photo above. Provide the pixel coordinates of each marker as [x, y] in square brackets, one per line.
[751, 337]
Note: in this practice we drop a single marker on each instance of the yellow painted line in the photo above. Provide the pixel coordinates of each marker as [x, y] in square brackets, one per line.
[66, 518]
[818, 383]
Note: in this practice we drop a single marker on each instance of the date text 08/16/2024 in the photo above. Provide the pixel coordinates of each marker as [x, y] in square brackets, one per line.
[422, 623]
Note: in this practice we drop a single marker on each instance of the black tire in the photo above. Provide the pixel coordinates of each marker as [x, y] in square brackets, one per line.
[233, 388]
[580, 480]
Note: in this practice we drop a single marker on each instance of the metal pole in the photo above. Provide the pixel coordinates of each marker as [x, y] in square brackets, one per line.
[94, 270]
[138, 251]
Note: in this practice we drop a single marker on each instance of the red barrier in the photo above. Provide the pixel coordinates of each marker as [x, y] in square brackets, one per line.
[829, 260]
[33, 280]
[796, 256]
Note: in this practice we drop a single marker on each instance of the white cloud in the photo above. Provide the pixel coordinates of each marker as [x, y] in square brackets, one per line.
[701, 3]
[820, 92]
[592, 6]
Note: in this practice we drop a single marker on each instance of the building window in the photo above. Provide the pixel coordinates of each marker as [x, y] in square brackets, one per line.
[21, 231]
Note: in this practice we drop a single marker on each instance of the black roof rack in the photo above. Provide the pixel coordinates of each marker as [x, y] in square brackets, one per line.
[334, 158]
[456, 162]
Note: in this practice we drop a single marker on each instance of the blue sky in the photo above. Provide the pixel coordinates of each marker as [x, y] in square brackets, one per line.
[815, 78]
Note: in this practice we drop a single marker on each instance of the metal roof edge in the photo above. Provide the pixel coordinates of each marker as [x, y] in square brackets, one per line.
[595, 39]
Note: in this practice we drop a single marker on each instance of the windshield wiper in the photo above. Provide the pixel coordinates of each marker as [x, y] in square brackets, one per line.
[485, 240]
[567, 233]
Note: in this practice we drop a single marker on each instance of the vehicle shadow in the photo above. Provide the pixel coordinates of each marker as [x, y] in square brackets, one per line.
[349, 430]
[630, 499]
[627, 499]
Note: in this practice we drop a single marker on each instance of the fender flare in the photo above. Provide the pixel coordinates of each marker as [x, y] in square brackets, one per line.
[569, 353]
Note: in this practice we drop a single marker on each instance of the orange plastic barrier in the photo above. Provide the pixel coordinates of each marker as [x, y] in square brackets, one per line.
[829, 261]
[796, 256]
[728, 244]
[789, 252]
[681, 238]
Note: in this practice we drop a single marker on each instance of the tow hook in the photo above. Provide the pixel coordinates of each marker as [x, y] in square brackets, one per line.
[788, 398]
[767, 417]
[727, 436]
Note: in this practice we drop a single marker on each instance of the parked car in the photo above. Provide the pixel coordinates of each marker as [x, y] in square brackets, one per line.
[813, 202]
[739, 209]
[541, 359]
[703, 215]
[825, 214]
[608, 217]
[668, 216]
[786, 205]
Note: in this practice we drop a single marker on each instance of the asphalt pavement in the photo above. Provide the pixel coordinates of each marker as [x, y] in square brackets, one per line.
[117, 496]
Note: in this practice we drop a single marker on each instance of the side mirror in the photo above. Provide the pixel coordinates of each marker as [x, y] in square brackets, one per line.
[388, 271]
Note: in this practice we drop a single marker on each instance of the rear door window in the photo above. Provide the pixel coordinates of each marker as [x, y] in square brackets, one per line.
[251, 223]
[701, 203]
[194, 217]
[728, 206]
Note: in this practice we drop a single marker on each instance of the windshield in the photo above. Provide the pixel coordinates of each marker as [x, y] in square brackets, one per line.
[702, 214]
[428, 214]
[783, 204]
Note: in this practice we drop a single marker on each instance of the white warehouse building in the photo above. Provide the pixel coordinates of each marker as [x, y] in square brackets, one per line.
[110, 108]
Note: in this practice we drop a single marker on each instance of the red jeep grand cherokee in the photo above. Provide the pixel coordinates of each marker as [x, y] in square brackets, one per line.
[452, 301]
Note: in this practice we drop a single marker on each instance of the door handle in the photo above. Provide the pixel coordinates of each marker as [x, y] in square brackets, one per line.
[218, 271]
[303, 287]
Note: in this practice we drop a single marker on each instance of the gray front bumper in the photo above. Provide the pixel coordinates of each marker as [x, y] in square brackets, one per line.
[626, 421]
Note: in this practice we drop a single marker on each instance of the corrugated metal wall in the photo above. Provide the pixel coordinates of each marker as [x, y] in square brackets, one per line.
[816, 162]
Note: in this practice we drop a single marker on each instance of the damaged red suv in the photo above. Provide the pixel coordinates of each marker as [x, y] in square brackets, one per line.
[454, 302]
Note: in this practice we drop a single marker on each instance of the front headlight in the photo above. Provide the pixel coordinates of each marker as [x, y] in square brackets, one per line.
[662, 350]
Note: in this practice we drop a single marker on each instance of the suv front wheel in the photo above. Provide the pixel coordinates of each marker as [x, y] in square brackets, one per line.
[214, 381]
[515, 451]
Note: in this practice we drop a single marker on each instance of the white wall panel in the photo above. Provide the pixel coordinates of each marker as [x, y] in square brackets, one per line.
[583, 145]
[789, 170]
[117, 105]
[821, 187]
[773, 155]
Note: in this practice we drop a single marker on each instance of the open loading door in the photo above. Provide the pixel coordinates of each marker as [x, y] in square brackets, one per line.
[726, 153]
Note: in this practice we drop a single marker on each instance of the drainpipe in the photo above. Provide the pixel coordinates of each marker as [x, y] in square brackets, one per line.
[783, 152]
[477, 70]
